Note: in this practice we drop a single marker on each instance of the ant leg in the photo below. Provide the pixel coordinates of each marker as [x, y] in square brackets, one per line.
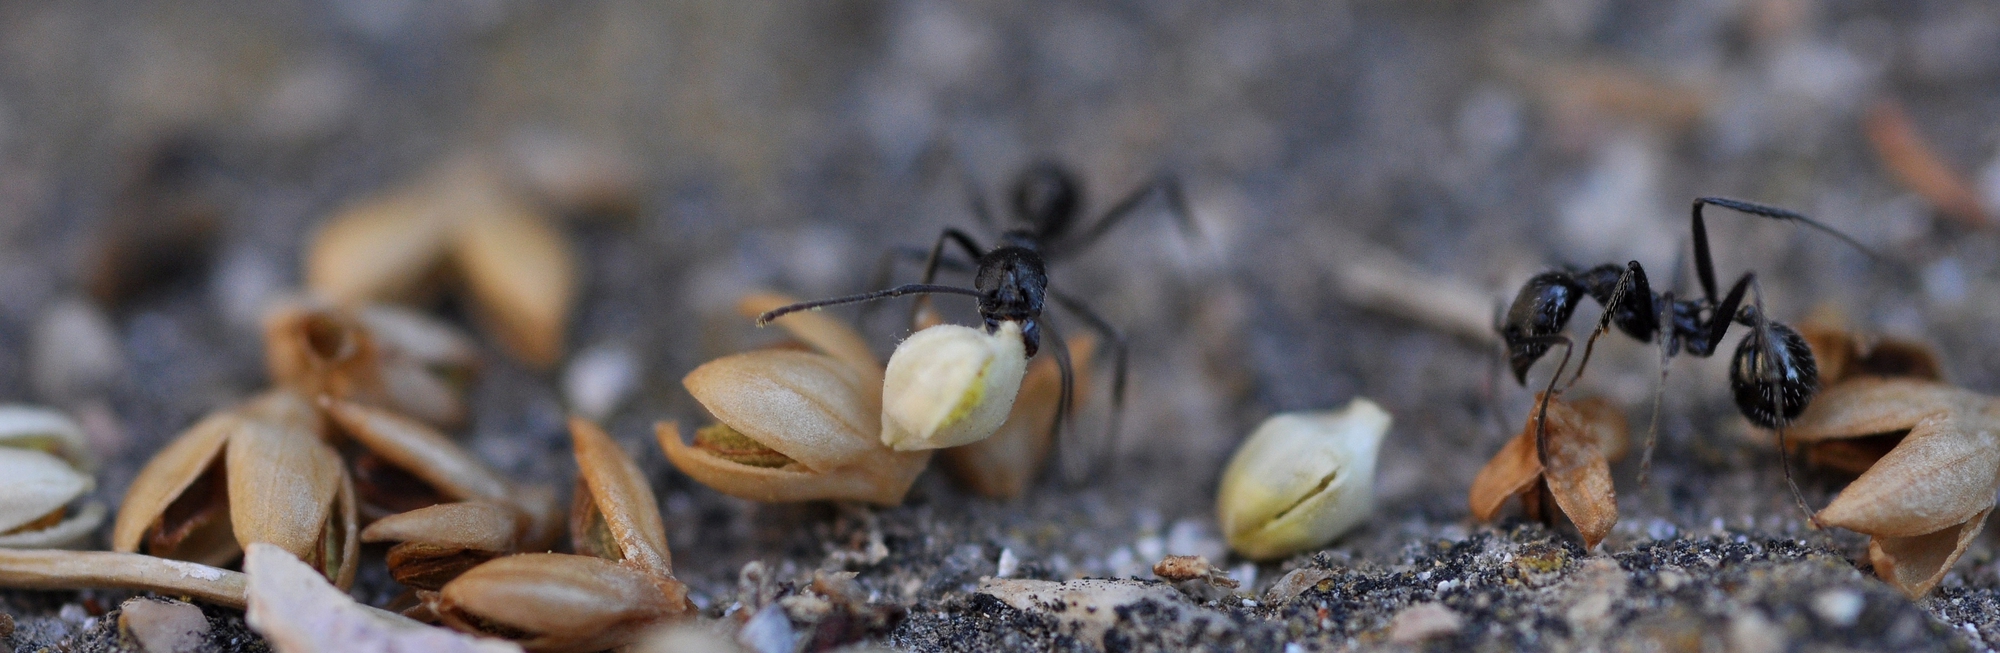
[1633, 275]
[936, 258]
[1704, 264]
[1058, 428]
[1167, 185]
[1761, 331]
[1119, 351]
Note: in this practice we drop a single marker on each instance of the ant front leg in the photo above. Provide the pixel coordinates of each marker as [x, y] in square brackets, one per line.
[1059, 426]
[935, 259]
[1169, 188]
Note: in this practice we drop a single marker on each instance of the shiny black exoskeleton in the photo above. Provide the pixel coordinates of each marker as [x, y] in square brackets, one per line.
[1773, 374]
[1011, 281]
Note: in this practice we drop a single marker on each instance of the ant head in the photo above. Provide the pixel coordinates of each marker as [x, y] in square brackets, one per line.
[1538, 313]
[1773, 383]
[1012, 283]
[1046, 196]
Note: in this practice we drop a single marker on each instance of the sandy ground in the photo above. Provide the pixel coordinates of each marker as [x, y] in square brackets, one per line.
[787, 146]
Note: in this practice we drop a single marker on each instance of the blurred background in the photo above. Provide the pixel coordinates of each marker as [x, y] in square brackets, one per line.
[163, 166]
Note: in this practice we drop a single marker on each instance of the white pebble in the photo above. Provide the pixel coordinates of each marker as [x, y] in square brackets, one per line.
[599, 379]
[1008, 564]
[1840, 607]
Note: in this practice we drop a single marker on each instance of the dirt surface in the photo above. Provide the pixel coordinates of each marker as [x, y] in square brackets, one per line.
[788, 146]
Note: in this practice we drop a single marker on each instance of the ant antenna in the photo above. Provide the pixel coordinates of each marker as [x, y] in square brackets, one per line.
[898, 291]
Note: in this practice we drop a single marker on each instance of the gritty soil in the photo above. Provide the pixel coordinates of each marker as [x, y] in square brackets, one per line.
[788, 146]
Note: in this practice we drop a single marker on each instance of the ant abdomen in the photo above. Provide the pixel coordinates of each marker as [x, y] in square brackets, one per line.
[1772, 391]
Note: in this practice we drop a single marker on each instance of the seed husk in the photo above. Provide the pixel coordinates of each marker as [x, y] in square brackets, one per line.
[437, 543]
[556, 603]
[68, 570]
[618, 497]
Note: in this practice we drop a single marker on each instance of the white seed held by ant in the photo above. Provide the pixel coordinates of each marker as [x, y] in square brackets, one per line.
[1301, 479]
[950, 385]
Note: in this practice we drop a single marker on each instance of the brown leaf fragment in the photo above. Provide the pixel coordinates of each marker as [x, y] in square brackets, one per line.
[1916, 564]
[1920, 167]
[1578, 476]
[1512, 471]
[1854, 455]
[1842, 354]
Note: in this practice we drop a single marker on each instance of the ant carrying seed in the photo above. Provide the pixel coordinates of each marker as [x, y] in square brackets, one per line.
[1011, 280]
[1772, 374]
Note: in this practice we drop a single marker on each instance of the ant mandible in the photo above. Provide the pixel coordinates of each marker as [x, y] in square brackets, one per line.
[1772, 374]
[1011, 280]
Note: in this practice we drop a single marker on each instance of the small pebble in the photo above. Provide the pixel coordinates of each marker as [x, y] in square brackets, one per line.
[163, 626]
[1007, 565]
[1294, 583]
[599, 379]
[769, 631]
[1840, 607]
[1424, 621]
[75, 351]
[1750, 632]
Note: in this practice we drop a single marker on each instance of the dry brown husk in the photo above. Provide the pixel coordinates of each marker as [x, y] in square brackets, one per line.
[376, 355]
[1925, 499]
[621, 583]
[70, 570]
[269, 448]
[463, 224]
[407, 453]
[435, 544]
[1578, 477]
[1003, 465]
[821, 410]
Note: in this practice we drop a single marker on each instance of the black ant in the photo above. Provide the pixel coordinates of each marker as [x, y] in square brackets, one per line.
[1011, 280]
[1772, 375]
